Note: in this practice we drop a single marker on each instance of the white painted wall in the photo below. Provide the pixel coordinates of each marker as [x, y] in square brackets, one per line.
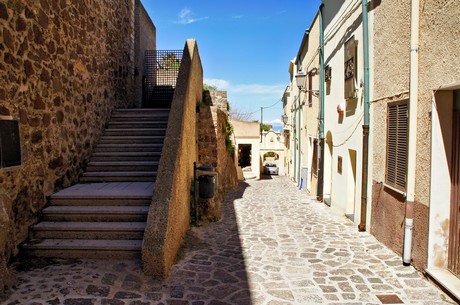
[441, 147]
[342, 22]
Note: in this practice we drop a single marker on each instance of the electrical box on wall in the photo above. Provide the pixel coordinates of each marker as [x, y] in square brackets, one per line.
[10, 143]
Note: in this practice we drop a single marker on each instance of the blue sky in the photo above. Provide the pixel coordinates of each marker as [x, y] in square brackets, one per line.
[245, 46]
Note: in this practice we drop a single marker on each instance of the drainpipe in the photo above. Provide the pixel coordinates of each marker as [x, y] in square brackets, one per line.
[412, 145]
[300, 141]
[365, 169]
[295, 143]
[320, 186]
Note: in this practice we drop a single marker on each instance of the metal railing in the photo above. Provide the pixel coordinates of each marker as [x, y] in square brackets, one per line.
[161, 68]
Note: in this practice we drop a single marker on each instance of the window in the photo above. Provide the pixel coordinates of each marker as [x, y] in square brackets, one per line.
[327, 73]
[10, 146]
[396, 159]
[350, 68]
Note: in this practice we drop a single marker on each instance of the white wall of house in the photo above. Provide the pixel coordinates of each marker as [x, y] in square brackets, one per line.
[343, 133]
[248, 133]
[273, 141]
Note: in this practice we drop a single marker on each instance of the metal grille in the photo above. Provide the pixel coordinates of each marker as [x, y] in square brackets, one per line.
[161, 68]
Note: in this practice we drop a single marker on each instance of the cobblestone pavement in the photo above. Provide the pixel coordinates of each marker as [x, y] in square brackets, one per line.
[274, 245]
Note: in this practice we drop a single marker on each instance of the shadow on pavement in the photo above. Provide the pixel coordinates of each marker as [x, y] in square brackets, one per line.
[210, 269]
[213, 266]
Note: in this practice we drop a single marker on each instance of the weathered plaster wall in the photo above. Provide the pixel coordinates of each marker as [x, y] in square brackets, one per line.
[169, 214]
[439, 53]
[388, 211]
[439, 65]
[65, 65]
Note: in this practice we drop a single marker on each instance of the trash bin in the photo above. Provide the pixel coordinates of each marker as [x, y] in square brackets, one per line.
[207, 182]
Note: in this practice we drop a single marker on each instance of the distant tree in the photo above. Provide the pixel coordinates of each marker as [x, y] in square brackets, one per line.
[209, 87]
[170, 61]
[265, 127]
[237, 115]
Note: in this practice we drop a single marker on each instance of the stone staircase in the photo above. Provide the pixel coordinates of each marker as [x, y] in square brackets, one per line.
[105, 214]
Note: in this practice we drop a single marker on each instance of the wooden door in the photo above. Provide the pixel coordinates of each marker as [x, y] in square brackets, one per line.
[454, 229]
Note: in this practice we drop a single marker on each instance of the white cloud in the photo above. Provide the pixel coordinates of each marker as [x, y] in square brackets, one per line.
[258, 89]
[237, 16]
[218, 83]
[186, 16]
[274, 122]
[223, 84]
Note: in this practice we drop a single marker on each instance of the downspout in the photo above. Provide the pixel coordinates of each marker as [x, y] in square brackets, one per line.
[300, 141]
[412, 145]
[295, 143]
[365, 169]
[320, 186]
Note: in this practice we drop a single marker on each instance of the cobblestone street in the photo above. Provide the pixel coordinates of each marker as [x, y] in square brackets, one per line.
[274, 245]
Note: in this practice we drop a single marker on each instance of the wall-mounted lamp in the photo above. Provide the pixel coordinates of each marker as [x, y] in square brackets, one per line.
[300, 79]
[284, 119]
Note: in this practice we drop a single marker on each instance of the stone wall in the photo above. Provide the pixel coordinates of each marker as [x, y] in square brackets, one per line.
[65, 65]
[145, 39]
[213, 122]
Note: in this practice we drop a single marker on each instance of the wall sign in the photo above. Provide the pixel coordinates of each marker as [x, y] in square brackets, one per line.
[10, 143]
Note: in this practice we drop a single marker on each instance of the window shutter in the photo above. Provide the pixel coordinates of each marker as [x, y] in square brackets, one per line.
[350, 68]
[396, 165]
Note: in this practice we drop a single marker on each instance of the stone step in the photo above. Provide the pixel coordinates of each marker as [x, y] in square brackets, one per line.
[138, 118]
[128, 147]
[79, 248]
[135, 132]
[152, 139]
[137, 125]
[88, 230]
[105, 194]
[138, 176]
[102, 201]
[125, 156]
[101, 166]
[141, 111]
[95, 213]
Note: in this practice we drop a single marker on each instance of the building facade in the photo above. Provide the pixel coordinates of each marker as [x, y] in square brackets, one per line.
[415, 126]
[246, 137]
[344, 106]
[300, 112]
[272, 150]
[404, 98]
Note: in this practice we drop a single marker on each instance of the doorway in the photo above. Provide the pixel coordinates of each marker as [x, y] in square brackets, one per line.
[351, 185]
[244, 155]
[454, 225]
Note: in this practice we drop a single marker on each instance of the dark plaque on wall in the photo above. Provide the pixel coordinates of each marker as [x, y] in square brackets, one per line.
[10, 144]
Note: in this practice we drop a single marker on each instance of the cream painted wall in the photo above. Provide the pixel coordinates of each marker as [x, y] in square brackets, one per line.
[273, 142]
[440, 177]
[248, 133]
[346, 130]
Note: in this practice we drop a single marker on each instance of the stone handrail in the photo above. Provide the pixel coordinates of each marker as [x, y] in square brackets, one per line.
[169, 213]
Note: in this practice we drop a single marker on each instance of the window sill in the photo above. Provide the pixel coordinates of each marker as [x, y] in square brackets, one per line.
[394, 189]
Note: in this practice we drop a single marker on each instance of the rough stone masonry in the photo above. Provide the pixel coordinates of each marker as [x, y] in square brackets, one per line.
[65, 65]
